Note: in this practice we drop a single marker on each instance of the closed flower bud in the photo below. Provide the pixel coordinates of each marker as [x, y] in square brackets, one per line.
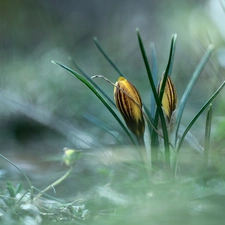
[71, 156]
[128, 101]
[169, 100]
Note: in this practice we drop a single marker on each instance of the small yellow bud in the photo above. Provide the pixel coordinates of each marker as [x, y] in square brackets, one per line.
[71, 156]
[128, 101]
[169, 100]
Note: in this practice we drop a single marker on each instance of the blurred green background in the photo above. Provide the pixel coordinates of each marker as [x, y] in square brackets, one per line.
[44, 109]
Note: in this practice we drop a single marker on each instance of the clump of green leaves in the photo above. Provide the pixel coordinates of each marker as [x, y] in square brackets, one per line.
[16, 206]
[161, 97]
[10, 193]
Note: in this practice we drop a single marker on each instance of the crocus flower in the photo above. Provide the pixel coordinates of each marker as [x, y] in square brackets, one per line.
[129, 103]
[169, 100]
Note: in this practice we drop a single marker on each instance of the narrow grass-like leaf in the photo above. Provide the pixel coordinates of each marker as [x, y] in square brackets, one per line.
[207, 135]
[11, 189]
[93, 83]
[154, 66]
[107, 57]
[19, 187]
[190, 86]
[147, 66]
[154, 136]
[158, 103]
[198, 114]
[171, 59]
[93, 89]
[166, 74]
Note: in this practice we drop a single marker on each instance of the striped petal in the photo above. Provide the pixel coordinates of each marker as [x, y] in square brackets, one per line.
[128, 102]
[169, 100]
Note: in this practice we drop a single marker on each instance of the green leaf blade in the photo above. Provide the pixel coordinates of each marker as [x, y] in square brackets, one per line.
[198, 114]
[90, 86]
[107, 57]
[191, 84]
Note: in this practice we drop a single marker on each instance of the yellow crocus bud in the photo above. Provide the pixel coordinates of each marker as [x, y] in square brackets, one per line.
[71, 156]
[169, 100]
[128, 101]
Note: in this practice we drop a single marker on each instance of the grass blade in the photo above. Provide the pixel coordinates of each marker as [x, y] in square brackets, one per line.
[154, 136]
[207, 135]
[171, 59]
[154, 66]
[150, 77]
[169, 66]
[93, 89]
[190, 86]
[159, 111]
[198, 114]
[166, 74]
[107, 57]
